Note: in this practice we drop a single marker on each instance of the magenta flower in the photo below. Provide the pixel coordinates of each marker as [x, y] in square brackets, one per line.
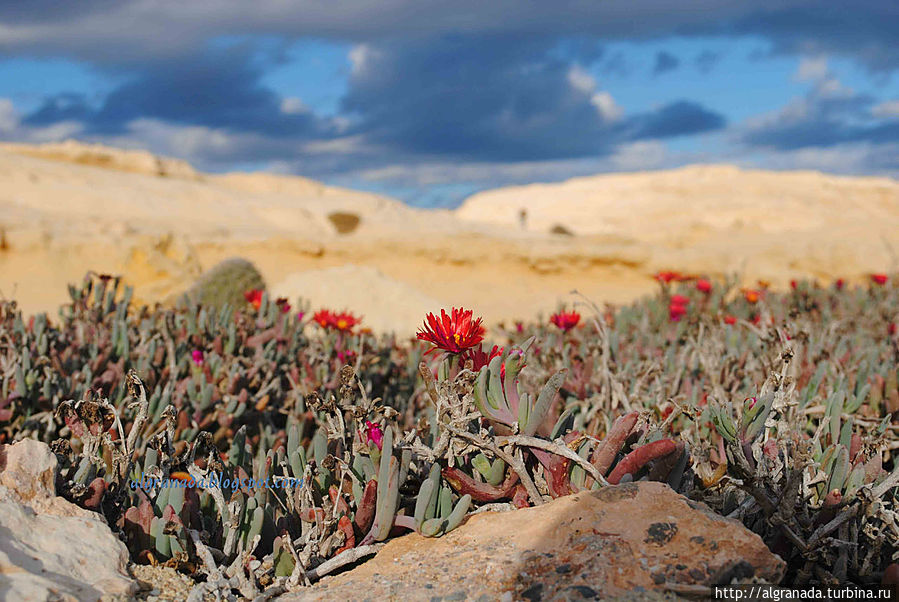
[197, 356]
[373, 433]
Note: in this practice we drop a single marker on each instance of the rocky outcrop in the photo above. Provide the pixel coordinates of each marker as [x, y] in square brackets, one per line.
[639, 537]
[50, 549]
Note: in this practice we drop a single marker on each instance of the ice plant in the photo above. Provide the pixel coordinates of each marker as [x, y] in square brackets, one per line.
[565, 320]
[254, 297]
[343, 321]
[676, 312]
[374, 434]
[704, 286]
[752, 296]
[880, 279]
[197, 356]
[480, 358]
[667, 277]
[283, 304]
[454, 332]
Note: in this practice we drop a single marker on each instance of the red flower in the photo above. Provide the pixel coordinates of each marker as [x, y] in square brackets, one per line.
[680, 300]
[667, 277]
[728, 319]
[676, 311]
[793, 284]
[704, 286]
[480, 358]
[565, 320]
[880, 279]
[892, 329]
[254, 297]
[330, 320]
[752, 296]
[454, 332]
[839, 283]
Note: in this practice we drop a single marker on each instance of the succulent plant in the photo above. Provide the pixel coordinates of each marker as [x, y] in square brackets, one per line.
[225, 283]
[343, 457]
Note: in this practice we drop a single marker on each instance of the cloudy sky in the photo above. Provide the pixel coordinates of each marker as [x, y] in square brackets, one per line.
[430, 101]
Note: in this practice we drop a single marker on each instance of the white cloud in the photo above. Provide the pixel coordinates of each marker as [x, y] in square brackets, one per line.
[606, 106]
[292, 105]
[580, 80]
[812, 69]
[886, 110]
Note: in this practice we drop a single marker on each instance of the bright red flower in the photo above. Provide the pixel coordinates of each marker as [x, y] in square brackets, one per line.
[668, 277]
[565, 320]
[480, 358]
[730, 320]
[197, 356]
[793, 284]
[330, 320]
[680, 300]
[840, 283]
[676, 311]
[454, 332]
[254, 297]
[880, 279]
[704, 286]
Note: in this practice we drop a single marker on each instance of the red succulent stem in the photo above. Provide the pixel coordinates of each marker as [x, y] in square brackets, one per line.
[605, 452]
[638, 458]
[479, 491]
[365, 511]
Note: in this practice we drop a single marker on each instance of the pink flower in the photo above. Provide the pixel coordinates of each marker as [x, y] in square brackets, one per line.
[679, 300]
[300, 315]
[373, 433]
[197, 356]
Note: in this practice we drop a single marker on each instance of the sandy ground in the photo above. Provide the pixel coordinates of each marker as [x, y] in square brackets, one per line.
[65, 209]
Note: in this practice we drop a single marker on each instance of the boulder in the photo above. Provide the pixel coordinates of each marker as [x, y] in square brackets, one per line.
[638, 538]
[51, 549]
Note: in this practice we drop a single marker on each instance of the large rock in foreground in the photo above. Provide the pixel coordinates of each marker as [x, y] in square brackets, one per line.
[50, 549]
[631, 538]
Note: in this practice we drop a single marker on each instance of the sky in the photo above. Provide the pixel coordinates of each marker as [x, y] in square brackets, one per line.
[430, 101]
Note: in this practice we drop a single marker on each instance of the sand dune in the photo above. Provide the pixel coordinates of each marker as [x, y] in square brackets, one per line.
[66, 208]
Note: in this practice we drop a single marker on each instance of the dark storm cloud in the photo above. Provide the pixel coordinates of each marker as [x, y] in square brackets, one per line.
[675, 119]
[828, 116]
[110, 32]
[219, 89]
[493, 98]
[665, 61]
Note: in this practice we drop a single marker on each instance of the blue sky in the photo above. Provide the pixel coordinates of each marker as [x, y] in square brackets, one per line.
[431, 101]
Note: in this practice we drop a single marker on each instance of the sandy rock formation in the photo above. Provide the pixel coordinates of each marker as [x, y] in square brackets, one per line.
[50, 549]
[623, 540]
